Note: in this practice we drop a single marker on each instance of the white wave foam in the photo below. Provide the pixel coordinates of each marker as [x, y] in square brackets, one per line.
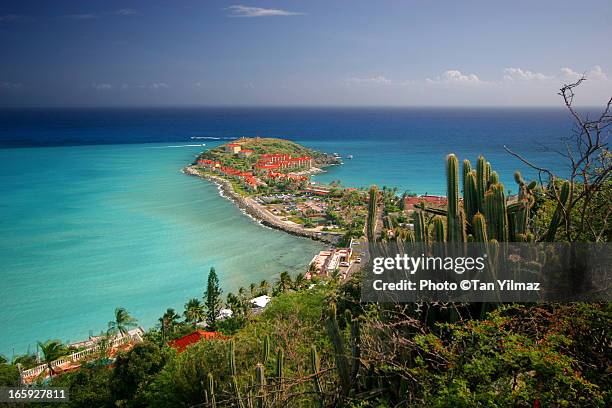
[212, 138]
[176, 146]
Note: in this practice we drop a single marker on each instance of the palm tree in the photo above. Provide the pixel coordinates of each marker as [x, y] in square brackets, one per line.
[242, 293]
[122, 323]
[299, 281]
[284, 282]
[194, 311]
[252, 288]
[52, 350]
[264, 286]
[168, 321]
[234, 303]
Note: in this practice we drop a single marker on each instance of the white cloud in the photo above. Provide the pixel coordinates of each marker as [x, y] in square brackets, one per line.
[159, 85]
[519, 74]
[10, 85]
[101, 87]
[455, 77]
[378, 80]
[126, 12]
[246, 11]
[80, 16]
[13, 18]
[596, 73]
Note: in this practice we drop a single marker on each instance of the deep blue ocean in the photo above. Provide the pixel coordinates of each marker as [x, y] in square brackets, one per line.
[94, 212]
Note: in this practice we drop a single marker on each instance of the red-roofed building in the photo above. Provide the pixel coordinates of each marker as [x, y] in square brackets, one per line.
[245, 152]
[182, 343]
[232, 148]
[429, 200]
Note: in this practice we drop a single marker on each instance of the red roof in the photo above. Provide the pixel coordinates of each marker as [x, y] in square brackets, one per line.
[181, 344]
[411, 202]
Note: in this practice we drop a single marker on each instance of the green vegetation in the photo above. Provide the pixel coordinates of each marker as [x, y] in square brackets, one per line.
[122, 324]
[212, 298]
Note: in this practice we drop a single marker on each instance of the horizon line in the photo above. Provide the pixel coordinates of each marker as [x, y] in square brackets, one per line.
[220, 106]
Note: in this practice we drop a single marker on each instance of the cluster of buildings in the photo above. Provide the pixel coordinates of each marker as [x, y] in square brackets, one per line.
[411, 203]
[271, 162]
[269, 167]
[245, 176]
[325, 262]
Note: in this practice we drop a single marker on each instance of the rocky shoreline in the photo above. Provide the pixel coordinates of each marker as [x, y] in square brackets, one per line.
[256, 210]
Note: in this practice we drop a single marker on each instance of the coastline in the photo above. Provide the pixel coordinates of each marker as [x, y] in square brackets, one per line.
[257, 211]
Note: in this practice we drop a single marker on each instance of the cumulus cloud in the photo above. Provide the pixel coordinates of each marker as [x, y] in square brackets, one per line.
[455, 77]
[596, 73]
[246, 11]
[519, 74]
[126, 12]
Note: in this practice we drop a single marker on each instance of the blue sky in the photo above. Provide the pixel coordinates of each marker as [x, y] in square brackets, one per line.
[366, 53]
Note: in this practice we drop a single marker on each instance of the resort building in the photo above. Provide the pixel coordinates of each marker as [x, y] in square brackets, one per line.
[245, 152]
[279, 162]
[233, 148]
[326, 262]
[317, 190]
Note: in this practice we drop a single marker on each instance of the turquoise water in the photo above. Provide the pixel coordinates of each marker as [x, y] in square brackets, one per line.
[86, 229]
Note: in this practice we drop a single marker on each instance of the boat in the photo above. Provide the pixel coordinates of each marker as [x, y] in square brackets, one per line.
[349, 156]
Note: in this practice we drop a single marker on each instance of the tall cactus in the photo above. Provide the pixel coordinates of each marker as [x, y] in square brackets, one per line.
[260, 384]
[355, 348]
[231, 357]
[438, 229]
[210, 390]
[315, 364]
[342, 366]
[372, 213]
[493, 178]
[421, 234]
[557, 216]
[470, 195]
[236, 389]
[496, 213]
[481, 182]
[280, 362]
[455, 221]
[479, 226]
[266, 349]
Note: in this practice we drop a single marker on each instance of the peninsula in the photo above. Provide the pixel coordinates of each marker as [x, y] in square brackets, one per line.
[269, 179]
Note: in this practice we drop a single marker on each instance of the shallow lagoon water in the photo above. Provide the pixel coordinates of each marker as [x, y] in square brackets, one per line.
[85, 229]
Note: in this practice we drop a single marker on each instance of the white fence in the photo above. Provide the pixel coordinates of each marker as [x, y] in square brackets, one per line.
[135, 335]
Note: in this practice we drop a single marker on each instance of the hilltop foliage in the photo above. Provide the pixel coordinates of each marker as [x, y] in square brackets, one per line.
[261, 145]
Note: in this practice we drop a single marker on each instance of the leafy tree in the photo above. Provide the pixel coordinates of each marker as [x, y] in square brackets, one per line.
[9, 374]
[122, 323]
[133, 372]
[88, 387]
[194, 311]
[212, 298]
